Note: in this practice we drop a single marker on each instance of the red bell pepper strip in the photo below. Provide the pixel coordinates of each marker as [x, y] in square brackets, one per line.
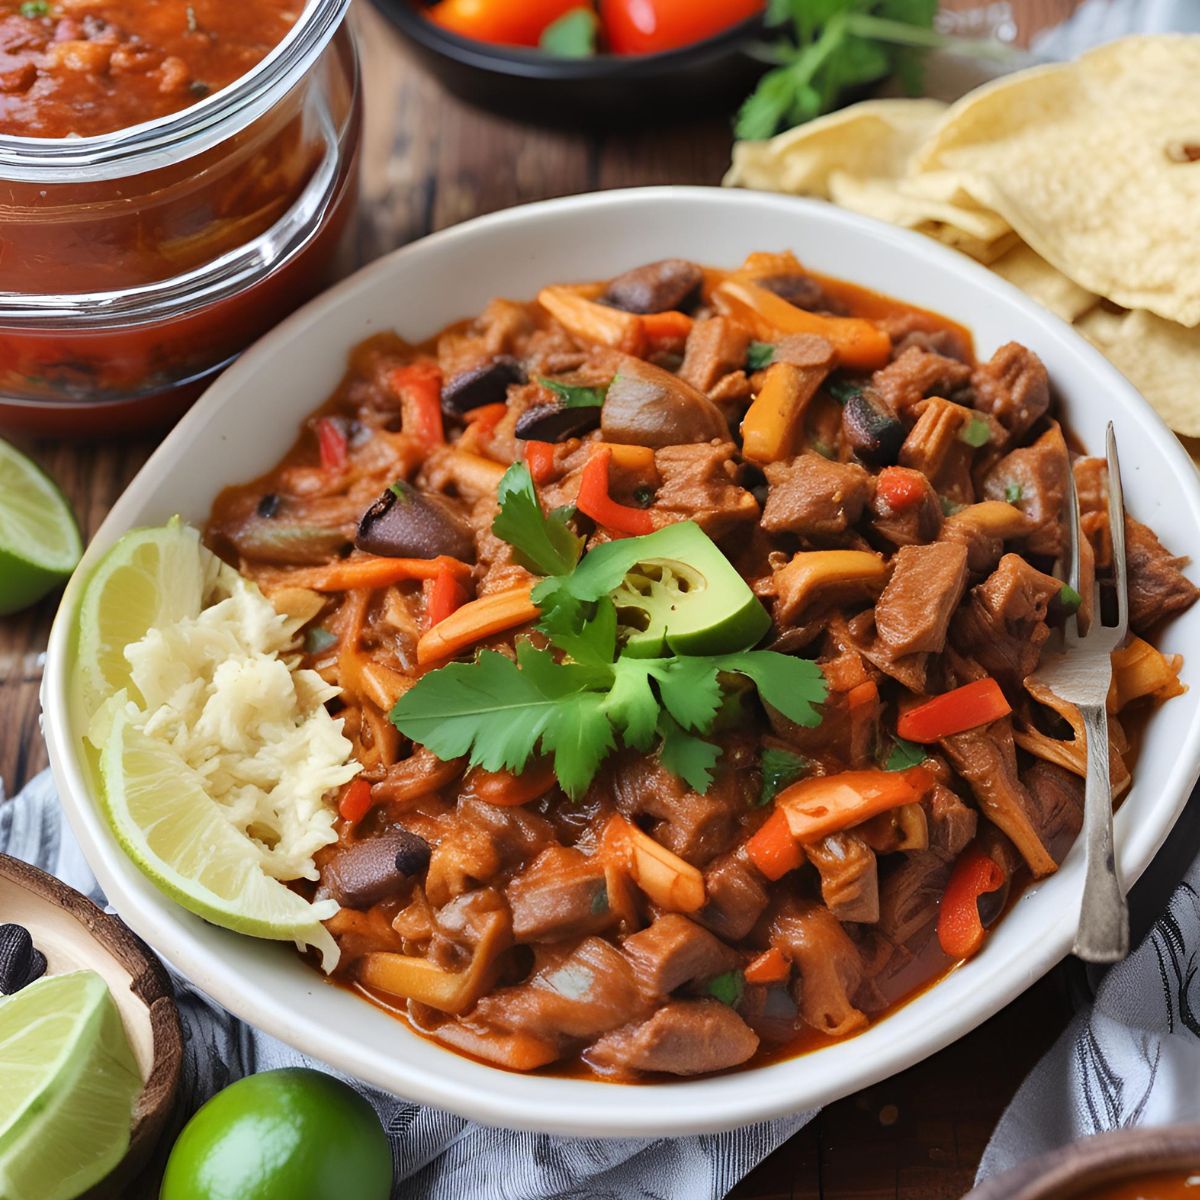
[485, 418]
[539, 458]
[773, 849]
[446, 595]
[355, 802]
[769, 967]
[901, 487]
[967, 707]
[595, 502]
[960, 930]
[419, 388]
[331, 440]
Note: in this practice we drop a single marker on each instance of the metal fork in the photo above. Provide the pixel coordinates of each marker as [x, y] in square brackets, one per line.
[1082, 677]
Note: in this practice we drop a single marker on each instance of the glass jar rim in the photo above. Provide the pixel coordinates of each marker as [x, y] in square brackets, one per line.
[178, 136]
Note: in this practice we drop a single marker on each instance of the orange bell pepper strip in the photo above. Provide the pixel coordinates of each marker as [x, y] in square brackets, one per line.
[959, 929]
[539, 458]
[901, 487]
[374, 571]
[665, 330]
[859, 343]
[773, 849]
[355, 802]
[769, 967]
[774, 421]
[419, 389]
[824, 804]
[592, 322]
[446, 594]
[506, 790]
[967, 707]
[475, 621]
[595, 502]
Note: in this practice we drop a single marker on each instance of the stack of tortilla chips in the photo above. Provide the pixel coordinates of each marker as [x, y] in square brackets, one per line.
[1079, 183]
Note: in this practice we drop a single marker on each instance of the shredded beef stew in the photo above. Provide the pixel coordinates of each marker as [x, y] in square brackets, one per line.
[684, 626]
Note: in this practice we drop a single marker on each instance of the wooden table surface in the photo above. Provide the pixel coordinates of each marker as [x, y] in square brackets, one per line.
[429, 162]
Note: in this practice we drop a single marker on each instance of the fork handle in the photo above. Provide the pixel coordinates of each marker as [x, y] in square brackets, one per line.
[1103, 934]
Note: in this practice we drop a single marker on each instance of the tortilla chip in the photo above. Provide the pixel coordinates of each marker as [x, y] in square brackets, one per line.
[1091, 163]
[1029, 271]
[872, 140]
[1160, 358]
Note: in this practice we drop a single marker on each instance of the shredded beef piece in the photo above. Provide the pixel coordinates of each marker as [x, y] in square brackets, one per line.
[585, 994]
[981, 529]
[699, 483]
[813, 497]
[935, 448]
[674, 951]
[736, 897]
[685, 1037]
[913, 613]
[1035, 478]
[1157, 587]
[987, 759]
[829, 964]
[1057, 798]
[952, 824]
[849, 876]
[715, 347]
[1013, 386]
[1003, 624]
[915, 374]
[518, 835]
[945, 342]
[912, 526]
[807, 350]
[563, 894]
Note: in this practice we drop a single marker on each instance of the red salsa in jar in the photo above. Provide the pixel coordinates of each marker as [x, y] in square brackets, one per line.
[86, 67]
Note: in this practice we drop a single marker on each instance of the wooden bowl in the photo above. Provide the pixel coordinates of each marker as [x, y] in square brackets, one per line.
[75, 935]
[1074, 1171]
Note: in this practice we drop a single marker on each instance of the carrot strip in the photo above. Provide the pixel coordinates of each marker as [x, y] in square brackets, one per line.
[665, 330]
[825, 804]
[768, 967]
[476, 620]
[773, 849]
[967, 707]
[446, 595]
[419, 389]
[370, 571]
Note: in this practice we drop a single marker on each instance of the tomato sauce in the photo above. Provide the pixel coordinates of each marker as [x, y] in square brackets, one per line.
[1166, 1185]
[87, 67]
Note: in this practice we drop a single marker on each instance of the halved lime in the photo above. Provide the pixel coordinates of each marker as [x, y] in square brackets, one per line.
[150, 578]
[68, 1084]
[39, 540]
[178, 837]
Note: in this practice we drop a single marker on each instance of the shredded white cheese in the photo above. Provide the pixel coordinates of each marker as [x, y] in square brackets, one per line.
[223, 688]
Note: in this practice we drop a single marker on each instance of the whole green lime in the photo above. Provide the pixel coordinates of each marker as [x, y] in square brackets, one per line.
[291, 1134]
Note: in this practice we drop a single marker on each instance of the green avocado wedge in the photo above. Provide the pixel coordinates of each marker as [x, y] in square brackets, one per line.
[675, 592]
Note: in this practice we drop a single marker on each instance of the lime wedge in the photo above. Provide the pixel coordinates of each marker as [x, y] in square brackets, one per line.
[150, 578]
[179, 838]
[68, 1083]
[39, 540]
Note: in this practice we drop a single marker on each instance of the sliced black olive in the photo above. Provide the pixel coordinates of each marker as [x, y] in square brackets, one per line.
[268, 506]
[672, 283]
[557, 422]
[20, 961]
[404, 523]
[803, 291]
[413, 856]
[366, 872]
[487, 384]
[872, 428]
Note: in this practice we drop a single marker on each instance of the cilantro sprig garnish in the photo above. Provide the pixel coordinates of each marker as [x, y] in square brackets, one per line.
[588, 693]
[576, 395]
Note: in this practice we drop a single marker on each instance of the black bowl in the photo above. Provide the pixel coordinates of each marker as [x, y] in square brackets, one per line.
[714, 75]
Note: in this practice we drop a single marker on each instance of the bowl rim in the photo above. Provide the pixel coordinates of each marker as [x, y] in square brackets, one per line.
[528, 63]
[553, 1104]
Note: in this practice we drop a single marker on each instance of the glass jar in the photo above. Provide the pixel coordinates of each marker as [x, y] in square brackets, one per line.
[134, 266]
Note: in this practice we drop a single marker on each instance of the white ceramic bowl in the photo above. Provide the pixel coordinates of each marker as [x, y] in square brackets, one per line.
[249, 417]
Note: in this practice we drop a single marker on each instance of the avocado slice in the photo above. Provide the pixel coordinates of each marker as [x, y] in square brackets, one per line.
[675, 592]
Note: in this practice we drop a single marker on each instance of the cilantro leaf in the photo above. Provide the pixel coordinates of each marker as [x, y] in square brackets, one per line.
[691, 758]
[690, 691]
[574, 395]
[595, 641]
[580, 738]
[779, 768]
[545, 544]
[759, 355]
[631, 704]
[904, 754]
[794, 686]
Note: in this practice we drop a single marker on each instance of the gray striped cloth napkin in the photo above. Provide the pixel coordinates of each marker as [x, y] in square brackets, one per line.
[436, 1155]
